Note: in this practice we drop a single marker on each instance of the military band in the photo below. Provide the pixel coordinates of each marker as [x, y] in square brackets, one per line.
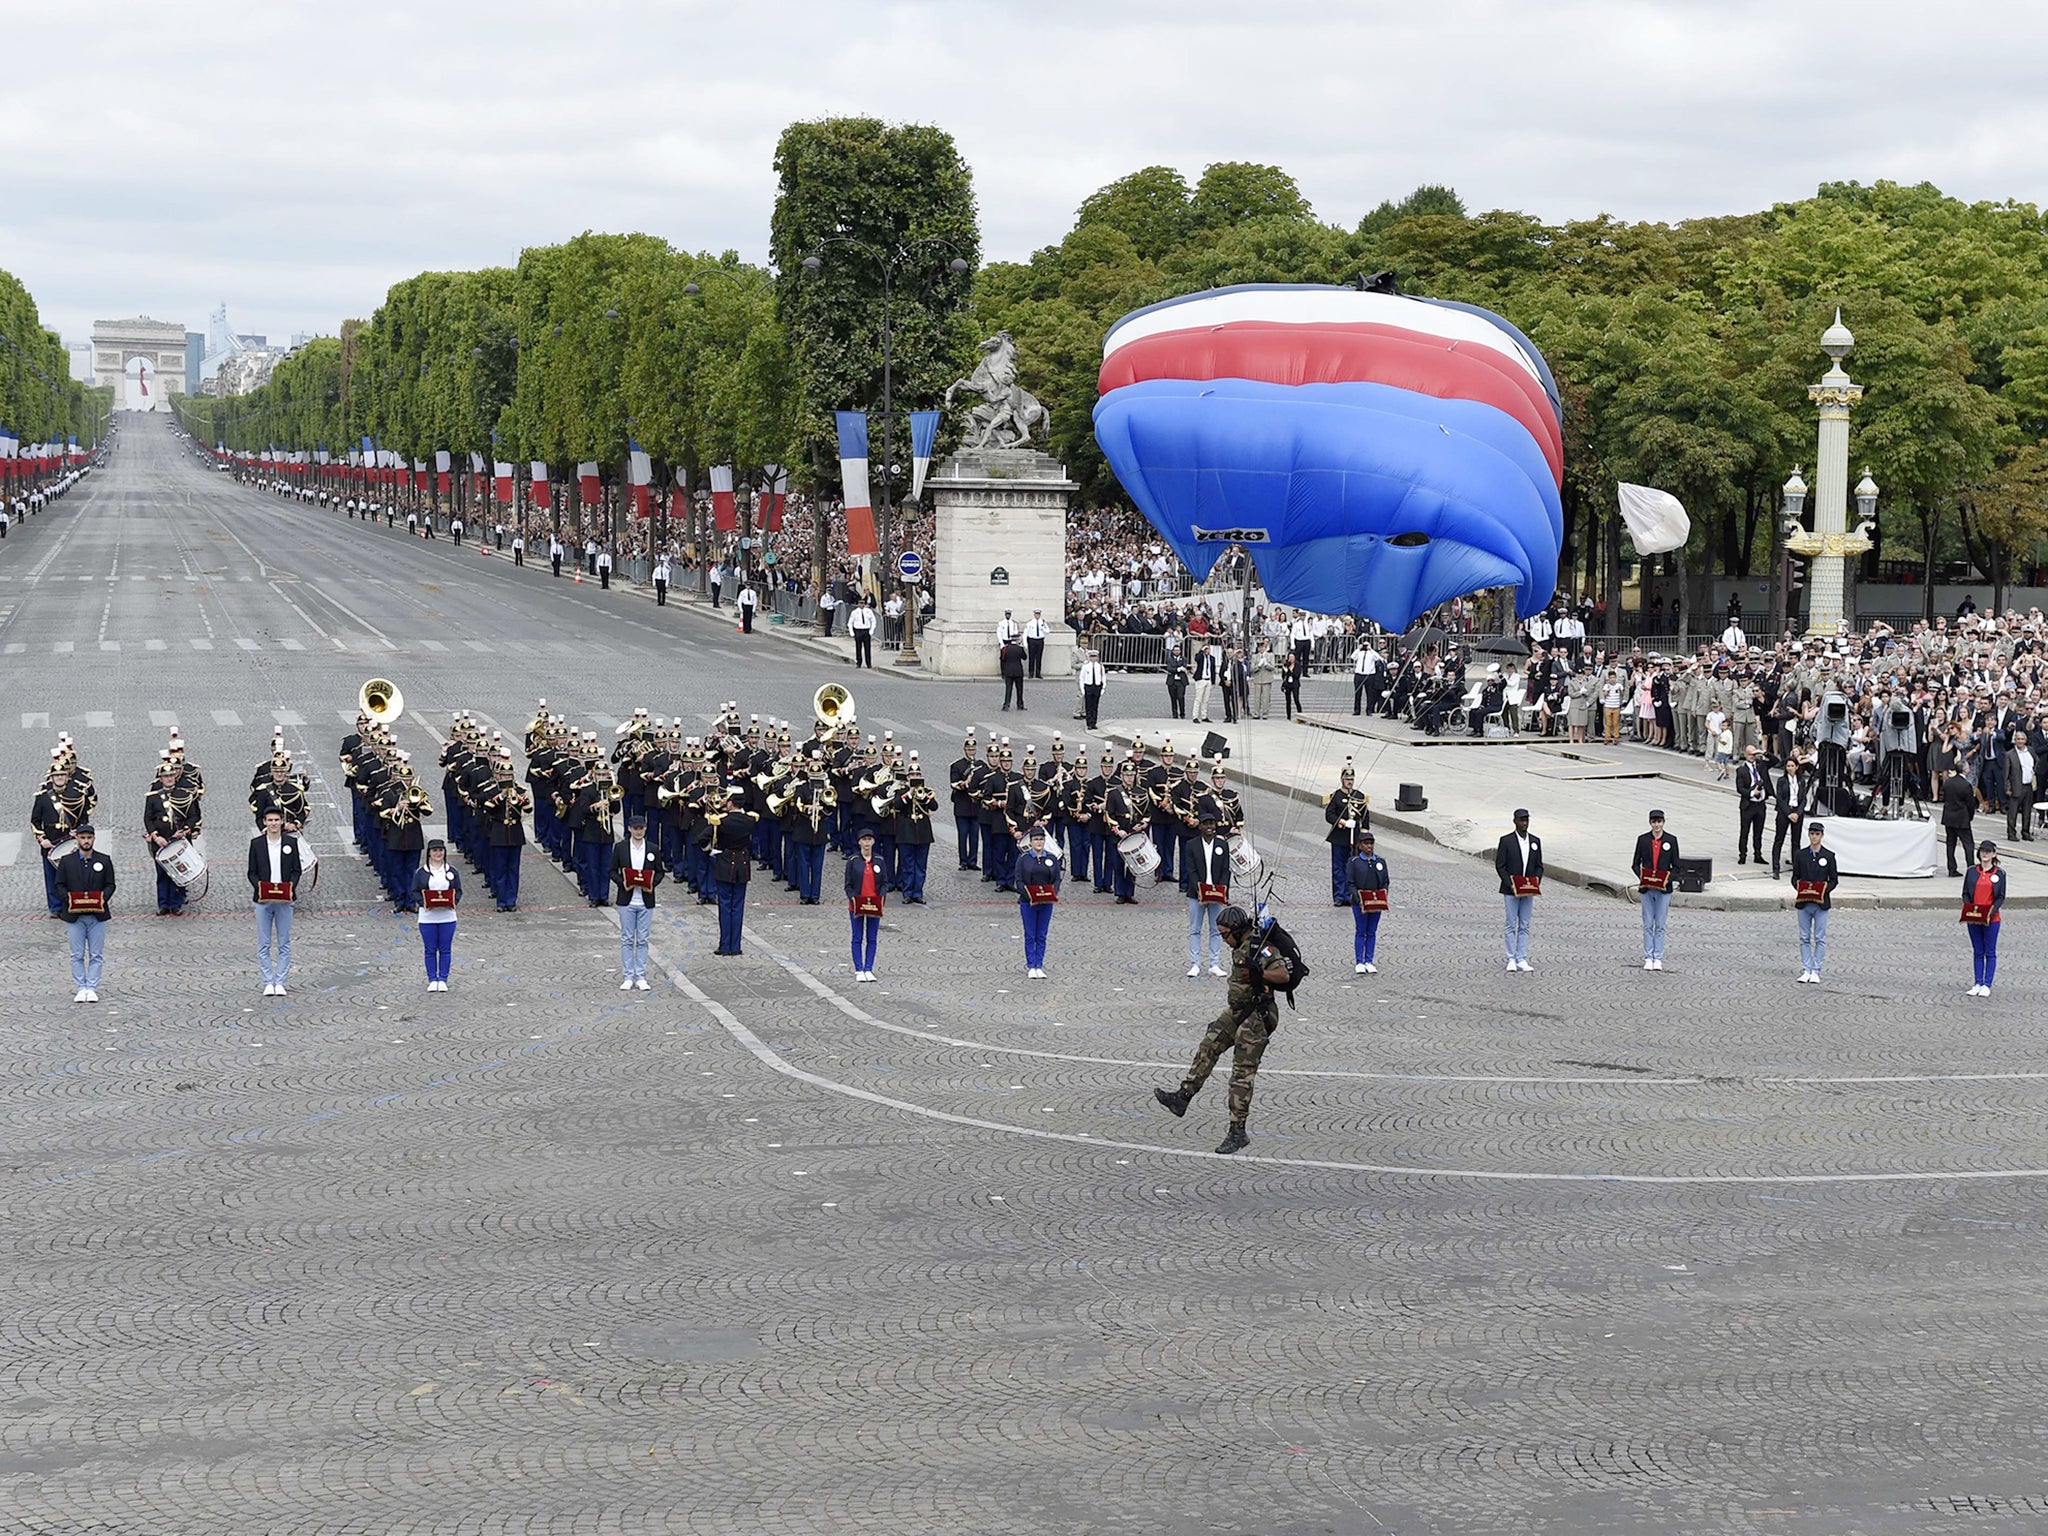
[171, 815]
[65, 802]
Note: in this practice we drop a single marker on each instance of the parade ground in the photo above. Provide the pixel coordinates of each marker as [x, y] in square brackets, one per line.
[1583, 1250]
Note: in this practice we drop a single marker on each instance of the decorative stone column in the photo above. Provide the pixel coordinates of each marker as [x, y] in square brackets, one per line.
[1000, 543]
[1831, 545]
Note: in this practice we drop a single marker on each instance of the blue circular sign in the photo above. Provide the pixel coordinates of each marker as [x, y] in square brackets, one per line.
[910, 565]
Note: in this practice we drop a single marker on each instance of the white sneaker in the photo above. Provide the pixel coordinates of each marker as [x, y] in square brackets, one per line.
[1194, 970]
[280, 989]
[1649, 965]
[1512, 966]
[639, 984]
[1035, 974]
[91, 996]
[78, 996]
[1523, 965]
[1660, 963]
[626, 985]
[1217, 970]
[1371, 969]
[1358, 969]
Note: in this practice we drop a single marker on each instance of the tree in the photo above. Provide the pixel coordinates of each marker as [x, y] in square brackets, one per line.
[2005, 515]
[1232, 191]
[1150, 208]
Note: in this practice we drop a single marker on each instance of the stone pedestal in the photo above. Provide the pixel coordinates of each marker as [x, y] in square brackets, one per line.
[1000, 526]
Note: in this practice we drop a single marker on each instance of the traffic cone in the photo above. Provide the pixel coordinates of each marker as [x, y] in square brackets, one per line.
[579, 575]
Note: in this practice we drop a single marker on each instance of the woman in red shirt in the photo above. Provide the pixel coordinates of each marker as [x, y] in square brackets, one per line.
[1983, 897]
[864, 885]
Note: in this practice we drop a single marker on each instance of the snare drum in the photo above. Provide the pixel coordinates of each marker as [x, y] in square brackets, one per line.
[58, 850]
[1245, 862]
[183, 862]
[1139, 856]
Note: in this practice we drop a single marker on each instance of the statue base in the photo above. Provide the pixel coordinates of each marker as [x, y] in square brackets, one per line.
[999, 519]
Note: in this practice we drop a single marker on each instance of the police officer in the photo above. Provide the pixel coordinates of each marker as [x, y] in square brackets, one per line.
[1247, 1022]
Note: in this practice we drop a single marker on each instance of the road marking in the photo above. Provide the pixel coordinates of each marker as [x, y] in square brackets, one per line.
[478, 645]
[226, 717]
[287, 717]
[346, 716]
[361, 623]
[99, 719]
[164, 719]
[940, 725]
[65, 647]
[16, 648]
[10, 848]
[110, 645]
[152, 645]
[34, 722]
[247, 644]
[291, 645]
[202, 645]
[432, 645]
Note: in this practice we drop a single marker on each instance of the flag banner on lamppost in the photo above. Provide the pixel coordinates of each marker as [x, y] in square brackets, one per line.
[442, 464]
[725, 515]
[1656, 522]
[640, 476]
[853, 479]
[476, 463]
[502, 473]
[587, 483]
[419, 474]
[539, 472]
[924, 436]
[775, 489]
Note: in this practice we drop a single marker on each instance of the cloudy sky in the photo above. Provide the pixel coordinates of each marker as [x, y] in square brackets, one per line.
[294, 158]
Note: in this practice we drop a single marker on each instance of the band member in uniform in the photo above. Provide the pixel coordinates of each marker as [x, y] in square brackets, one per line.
[273, 784]
[168, 814]
[1983, 912]
[635, 872]
[436, 892]
[1247, 1022]
[914, 834]
[966, 806]
[64, 804]
[1224, 801]
[1156, 779]
[1205, 881]
[1095, 827]
[596, 803]
[865, 884]
[1038, 891]
[1370, 885]
[1518, 860]
[401, 807]
[1125, 810]
[731, 838]
[808, 811]
[998, 845]
[1348, 812]
[1814, 878]
[85, 888]
[1655, 864]
[504, 808]
[273, 889]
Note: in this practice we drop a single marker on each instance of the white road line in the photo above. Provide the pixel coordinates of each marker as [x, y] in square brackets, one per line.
[164, 719]
[16, 648]
[478, 645]
[152, 645]
[287, 717]
[226, 717]
[346, 716]
[65, 647]
[431, 645]
[10, 848]
[292, 645]
[247, 644]
[295, 608]
[34, 722]
[110, 645]
[361, 623]
[99, 719]
[202, 645]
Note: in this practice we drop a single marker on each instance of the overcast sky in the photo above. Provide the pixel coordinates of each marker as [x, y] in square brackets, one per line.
[295, 158]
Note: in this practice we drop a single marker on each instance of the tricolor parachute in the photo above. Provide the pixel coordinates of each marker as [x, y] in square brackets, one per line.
[1376, 454]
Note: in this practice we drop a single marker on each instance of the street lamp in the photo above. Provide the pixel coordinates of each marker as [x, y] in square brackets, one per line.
[1866, 497]
[889, 262]
[1789, 523]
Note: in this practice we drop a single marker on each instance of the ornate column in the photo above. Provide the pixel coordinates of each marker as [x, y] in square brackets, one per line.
[1831, 544]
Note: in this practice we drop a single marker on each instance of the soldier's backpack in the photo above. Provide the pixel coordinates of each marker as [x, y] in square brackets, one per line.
[1289, 951]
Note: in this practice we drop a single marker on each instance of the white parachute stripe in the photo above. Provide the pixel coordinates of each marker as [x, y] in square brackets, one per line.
[1656, 521]
[1317, 306]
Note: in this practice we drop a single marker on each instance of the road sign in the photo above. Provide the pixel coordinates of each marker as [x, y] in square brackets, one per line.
[910, 565]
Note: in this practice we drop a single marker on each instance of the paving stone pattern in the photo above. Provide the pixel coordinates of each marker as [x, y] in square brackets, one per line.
[1586, 1250]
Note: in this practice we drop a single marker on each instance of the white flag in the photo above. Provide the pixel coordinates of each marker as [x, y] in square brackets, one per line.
[1656, 522]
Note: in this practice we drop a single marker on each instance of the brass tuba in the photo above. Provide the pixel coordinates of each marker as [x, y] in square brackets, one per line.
[832, 706]
[380, 699]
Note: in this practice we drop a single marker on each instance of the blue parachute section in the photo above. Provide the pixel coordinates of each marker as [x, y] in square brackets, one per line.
[1351, 498]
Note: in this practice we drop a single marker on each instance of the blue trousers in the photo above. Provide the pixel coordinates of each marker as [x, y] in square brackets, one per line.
[1166, 838]
[88, 940]
[1037, 921]
[634, 925]
[1813, 937]
[732, 914]
[438, 940]
[1079, 841]
[1365, 934]
[1983, 952]
[912, 860]
[1517, 911]
[1121, 878]
[593, 873]
[1105, 850]
[807, 868]
[865, 932]
[1656, 908]
[885, 860]
[1340, 884]
[999, 856]
[505, 873]
[170, 896]
[50, 887]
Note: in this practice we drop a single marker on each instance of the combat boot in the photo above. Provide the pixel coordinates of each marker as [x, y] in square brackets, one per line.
[1236, 1141]
[1176, 1100]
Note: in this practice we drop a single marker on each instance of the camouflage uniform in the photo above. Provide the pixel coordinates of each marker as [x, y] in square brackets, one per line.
[1247, 1022]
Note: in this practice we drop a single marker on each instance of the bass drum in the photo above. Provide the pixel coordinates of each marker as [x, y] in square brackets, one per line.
[186, 866]
[1139, 856]
[1245, 863]
[59, 850]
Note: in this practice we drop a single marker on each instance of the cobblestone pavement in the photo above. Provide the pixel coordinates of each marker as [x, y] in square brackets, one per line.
[1584, 1250]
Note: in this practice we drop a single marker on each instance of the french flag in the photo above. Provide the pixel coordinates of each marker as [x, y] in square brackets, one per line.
[640, 476]
[502, 473]
[539, 471]
[853, 477]
[587, 483]
[775, 490]
[724, 514]
[441, 465]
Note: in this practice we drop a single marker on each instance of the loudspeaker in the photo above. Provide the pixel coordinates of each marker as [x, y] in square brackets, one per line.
[1410, 799]
[1695, 874]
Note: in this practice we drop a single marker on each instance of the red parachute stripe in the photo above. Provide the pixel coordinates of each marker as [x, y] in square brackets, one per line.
[1342, 354]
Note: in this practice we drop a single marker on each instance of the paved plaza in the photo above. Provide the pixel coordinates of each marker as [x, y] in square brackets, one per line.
[1585, 1250]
